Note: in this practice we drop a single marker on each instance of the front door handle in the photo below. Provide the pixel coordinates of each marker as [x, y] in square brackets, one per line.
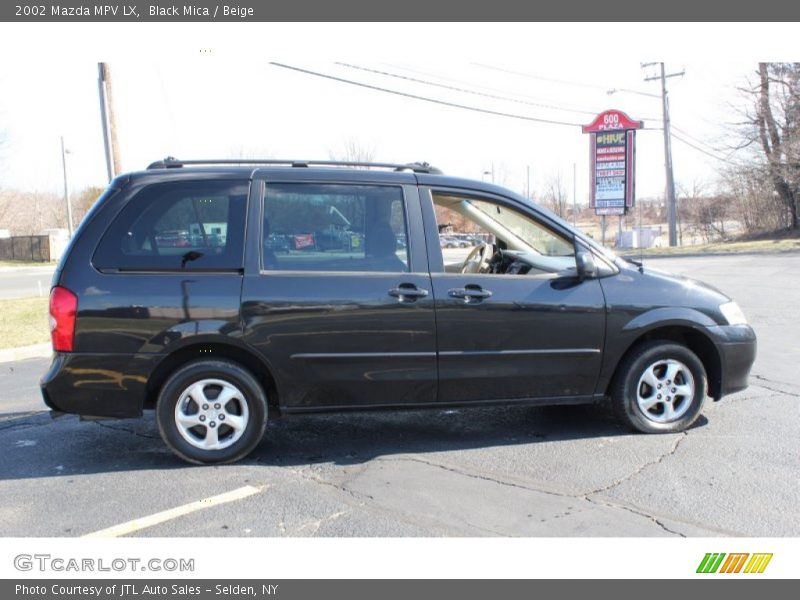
[470, 293]
[407, 292]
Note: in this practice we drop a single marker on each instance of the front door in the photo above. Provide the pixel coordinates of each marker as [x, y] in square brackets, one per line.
[342, 307]
[517, 323]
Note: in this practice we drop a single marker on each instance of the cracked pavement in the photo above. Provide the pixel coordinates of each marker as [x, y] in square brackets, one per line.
[557, 471]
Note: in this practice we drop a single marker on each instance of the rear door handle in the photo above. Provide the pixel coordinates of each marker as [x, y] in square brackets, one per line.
[470, 293]
[407, 292]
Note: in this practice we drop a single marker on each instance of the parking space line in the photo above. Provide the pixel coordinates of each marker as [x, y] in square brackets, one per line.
[173, 513]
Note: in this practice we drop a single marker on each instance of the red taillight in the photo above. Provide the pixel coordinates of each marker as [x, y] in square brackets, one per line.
[63, 307]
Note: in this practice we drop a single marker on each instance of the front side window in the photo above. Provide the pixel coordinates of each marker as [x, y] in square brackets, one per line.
[478, 235]
[178, 225]
[331, 227]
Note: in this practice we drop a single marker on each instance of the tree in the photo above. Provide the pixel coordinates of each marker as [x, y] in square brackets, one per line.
[773, 126]
[353, 151]
[555, 195]
[687, 199]
[83, 201]
[3, 148]
[28, 213]
[756, 205]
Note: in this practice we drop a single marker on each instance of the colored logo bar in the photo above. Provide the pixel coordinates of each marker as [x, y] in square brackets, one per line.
[736, 562]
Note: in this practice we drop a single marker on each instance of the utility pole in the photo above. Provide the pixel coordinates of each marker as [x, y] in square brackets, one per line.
[671, 203]
[528, 187]
[66, 188]
[108, 121]
[574, 195]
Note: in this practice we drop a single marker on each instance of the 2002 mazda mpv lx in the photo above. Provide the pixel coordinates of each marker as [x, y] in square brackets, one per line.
[212, 290]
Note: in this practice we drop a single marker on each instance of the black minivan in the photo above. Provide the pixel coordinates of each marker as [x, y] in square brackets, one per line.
[172, 296]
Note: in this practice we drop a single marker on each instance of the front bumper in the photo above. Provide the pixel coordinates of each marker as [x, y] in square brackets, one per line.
[736, 345]
[98, 385]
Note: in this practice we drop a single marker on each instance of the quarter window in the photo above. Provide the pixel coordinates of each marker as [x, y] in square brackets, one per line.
[193, 225]
[329, 227]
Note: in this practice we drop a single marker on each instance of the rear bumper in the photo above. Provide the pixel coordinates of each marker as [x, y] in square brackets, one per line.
[737, 351]
[98, 385]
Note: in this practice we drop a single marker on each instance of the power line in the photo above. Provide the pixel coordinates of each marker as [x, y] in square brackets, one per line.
[699, 149]
[467, 91]
[425, 98]
[541, 77]
[689, 136]
[472, 108]
[474, 85]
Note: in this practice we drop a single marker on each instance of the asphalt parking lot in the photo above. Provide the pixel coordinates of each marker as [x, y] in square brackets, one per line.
[560, 471]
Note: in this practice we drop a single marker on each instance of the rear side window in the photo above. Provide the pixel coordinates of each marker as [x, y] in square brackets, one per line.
[192, 225]
[331, 227]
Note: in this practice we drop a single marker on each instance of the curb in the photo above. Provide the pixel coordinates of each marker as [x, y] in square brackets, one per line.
[23, 352]
[43, 268]
[707, 254]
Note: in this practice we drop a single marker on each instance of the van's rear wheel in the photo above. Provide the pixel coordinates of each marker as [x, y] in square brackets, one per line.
[660, 388]
[211, 411]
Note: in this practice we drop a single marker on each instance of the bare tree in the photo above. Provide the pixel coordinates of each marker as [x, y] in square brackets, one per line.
[83, 201]
[687, 199]
[3, 149]
[249, 152]
[28, 213]
[555, 195]
[755, 203]
[773, 126]
[353, 151]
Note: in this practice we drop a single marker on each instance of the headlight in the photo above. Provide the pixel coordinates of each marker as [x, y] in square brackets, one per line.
[733, 314]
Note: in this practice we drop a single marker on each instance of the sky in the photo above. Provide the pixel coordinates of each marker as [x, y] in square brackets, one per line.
[221, 96]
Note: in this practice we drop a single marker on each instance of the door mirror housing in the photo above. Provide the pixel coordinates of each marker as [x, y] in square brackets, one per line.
[584, 260]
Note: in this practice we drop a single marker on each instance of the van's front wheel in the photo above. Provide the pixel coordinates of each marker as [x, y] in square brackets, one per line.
[211, 411]
[660, 388]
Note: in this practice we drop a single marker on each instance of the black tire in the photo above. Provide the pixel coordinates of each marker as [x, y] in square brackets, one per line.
[247, 408]
[631, 393]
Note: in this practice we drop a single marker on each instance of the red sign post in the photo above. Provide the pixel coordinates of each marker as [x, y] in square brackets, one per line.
[612, 145]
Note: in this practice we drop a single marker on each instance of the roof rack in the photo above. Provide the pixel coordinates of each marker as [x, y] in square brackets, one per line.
[417, 167]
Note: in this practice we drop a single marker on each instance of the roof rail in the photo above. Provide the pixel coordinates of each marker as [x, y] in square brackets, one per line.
[417, 167]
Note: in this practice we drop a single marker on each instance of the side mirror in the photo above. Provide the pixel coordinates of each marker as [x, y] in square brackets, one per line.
[587, 269]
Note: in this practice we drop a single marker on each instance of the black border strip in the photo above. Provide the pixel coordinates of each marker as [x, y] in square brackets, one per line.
[407, 11]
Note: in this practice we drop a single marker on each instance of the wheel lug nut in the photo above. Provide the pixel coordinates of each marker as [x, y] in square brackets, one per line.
[673, 390]
[212, 424]
[202, 418]
[221, 417]
[659, 386]
[658, 397]
[217, 406]
[205, 406]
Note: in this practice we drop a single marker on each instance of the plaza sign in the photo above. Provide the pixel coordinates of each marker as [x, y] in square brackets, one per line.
[612, 145]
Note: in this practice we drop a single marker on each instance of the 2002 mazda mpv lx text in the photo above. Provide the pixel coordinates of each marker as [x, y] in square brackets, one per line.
[214, 291]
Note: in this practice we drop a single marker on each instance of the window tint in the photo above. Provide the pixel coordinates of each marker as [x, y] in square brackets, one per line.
[178, 225]
[326, 227]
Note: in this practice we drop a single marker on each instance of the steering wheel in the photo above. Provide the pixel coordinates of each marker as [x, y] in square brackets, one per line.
[478, 259]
